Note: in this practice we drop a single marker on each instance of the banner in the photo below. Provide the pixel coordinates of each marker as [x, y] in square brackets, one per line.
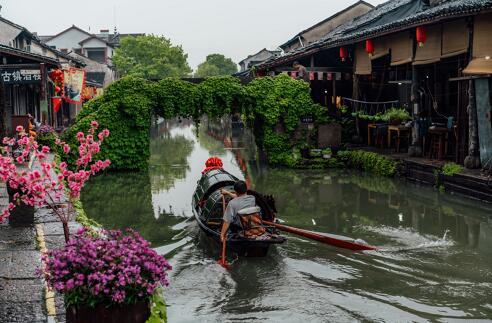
[74, 84]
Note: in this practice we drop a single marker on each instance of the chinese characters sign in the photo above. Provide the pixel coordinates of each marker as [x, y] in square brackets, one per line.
[20, 76]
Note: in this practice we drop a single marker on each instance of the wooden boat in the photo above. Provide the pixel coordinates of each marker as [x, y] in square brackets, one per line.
[208, 211]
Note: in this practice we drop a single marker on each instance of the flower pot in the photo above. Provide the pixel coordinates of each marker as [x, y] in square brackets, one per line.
[22, 215]
[395, 122]
[137, 313]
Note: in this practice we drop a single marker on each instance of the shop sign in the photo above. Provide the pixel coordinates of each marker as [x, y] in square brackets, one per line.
[20, 76]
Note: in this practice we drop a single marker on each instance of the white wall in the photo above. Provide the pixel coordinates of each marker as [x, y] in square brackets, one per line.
[94, 43]
[8, 33]
[68, 40]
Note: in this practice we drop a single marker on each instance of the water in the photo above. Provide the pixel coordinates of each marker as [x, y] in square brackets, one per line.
[434, 264]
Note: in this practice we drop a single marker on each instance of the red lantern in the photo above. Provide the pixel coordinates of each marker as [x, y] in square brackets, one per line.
[370, 47]
[57, 89]
[420, 35]
[343, 54]
[56, 100]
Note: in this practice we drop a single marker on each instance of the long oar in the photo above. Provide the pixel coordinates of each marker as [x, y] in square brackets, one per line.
[223, 262]
[331, 239]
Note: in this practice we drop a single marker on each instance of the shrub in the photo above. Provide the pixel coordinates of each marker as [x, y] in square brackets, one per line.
[46, 136]
[369, 161]
[449, 169]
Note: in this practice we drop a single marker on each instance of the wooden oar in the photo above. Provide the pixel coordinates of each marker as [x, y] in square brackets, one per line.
[331, 239]
[223, 262]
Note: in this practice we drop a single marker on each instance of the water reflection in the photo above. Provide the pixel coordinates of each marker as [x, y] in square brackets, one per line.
[434, 264]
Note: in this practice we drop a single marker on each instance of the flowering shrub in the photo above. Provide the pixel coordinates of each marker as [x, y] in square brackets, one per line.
[46, 136]
[45, 187]
[110, 268]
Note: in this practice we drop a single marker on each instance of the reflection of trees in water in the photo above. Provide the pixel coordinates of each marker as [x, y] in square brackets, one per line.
[124, 200]
[210, 140]
[168, 160]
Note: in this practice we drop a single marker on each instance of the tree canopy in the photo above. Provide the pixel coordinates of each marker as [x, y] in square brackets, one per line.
[150, 57]
[216, 65]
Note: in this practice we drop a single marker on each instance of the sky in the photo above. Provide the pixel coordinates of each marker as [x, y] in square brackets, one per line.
[230, 27]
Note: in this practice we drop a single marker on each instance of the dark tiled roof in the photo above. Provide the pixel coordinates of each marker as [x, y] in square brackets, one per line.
[296, 37]
[28, 55]
[387, 18]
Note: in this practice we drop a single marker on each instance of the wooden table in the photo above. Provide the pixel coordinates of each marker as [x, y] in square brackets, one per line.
[399, 130]
[369, 127]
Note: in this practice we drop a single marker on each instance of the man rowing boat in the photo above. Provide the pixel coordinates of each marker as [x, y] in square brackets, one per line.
[240, 200]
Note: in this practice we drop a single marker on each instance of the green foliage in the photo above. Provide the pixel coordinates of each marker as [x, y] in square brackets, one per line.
[47, 139]
[125, 109]
[449, 169]
[150, 57]
[368, 161]
[216, 65]
[396, 114]
[273, 106]
[158, 312]
[219, 96]
[393, 114]
[175, 97]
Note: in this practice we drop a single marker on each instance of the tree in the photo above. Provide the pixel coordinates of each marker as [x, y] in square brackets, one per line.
[150, 57]
[216, 65]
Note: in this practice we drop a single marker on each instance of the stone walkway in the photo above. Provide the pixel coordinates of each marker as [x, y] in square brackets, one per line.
[23, 296]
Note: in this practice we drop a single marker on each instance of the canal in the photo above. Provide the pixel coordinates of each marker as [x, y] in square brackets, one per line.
[435, 261]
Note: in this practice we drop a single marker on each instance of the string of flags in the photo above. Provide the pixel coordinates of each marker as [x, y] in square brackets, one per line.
[323, 76]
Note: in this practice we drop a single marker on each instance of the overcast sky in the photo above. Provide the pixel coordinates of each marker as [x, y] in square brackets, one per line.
[231, 27]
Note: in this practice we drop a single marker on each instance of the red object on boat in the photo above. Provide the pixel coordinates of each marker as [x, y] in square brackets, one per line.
[370, 47]
[56, 100]
[343, 54]
[420, 35]
[212, 163]
[331, 239]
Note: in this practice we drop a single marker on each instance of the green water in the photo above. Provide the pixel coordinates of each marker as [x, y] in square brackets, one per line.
[435, 262]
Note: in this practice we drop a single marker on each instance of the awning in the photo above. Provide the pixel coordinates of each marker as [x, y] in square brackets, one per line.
[455, 38]
[363, 64]
[482, 46]
[381, 47]
[481, 66]
[431, 51]
[401, 45]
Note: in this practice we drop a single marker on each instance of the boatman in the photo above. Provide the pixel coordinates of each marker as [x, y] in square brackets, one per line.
[240, 200]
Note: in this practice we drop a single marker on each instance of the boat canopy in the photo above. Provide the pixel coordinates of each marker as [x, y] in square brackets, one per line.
[210, 182]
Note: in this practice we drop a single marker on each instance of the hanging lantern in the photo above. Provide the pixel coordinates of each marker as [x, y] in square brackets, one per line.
[370, 47]
[57, 89]
[343, 54]
[56, 100]
[420, 35]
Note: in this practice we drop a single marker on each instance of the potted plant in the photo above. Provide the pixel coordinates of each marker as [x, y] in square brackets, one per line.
[108, 277]
[395, 116]
[48, 183]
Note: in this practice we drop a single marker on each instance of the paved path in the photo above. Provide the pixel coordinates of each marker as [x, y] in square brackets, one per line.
[23, 296]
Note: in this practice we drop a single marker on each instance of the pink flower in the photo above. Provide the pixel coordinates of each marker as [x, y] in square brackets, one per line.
[94, 124]
[66, 148]
[45, 149]
[19, 128]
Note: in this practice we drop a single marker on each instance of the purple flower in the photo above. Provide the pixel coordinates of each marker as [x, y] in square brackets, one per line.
[110, 268]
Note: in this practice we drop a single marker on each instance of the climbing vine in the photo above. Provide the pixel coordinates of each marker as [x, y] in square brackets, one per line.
[273, 106]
